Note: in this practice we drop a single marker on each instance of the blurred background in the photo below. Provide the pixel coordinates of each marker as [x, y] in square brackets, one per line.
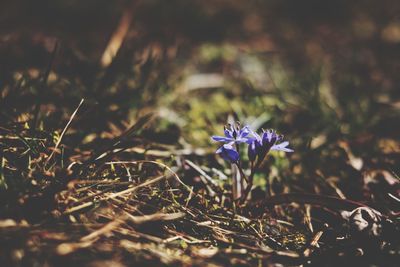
[324, 73]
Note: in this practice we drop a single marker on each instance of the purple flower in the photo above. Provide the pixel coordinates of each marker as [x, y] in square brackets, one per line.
[261, 145]
[228, 152]
[252, 149]
[233, 134]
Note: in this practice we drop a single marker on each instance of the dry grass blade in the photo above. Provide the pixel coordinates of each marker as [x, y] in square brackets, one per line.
[64, 131]
[156, 163]
[201, 172]
[68, 248]
[155, 217]
[313, 244]
[103, 230]
[114, 195]
[133, 189]
[119, 141]
[319, 200]
[118, 36]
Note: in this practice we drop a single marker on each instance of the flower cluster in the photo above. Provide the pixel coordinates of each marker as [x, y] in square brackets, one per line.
[234, 135]
[258, 144]
[258, 147]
